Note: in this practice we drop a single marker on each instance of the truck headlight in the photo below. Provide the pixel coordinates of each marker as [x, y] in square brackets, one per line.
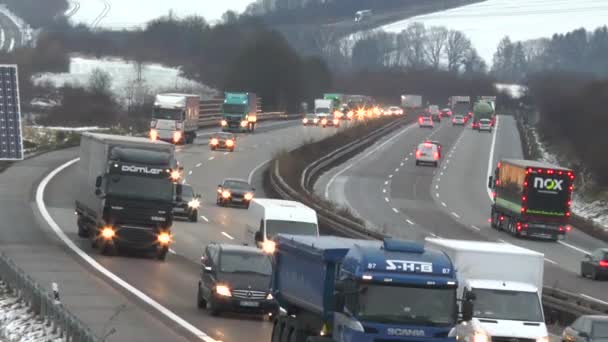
[177, 136]
[269, 297]
[164, 238]
[153, 134]
[542, 339]
[226, 194]
[223, 290]
[224, 123]
[243, 123]
[268, 246]
[108, 233]
[194, 203]
[214, 141]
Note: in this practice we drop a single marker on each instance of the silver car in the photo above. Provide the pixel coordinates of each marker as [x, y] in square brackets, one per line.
[425, 121]
[458, 120]
[485, 125]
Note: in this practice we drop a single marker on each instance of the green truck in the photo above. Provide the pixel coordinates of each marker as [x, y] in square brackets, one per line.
[482, 110]
[337, 103]
[239, 112]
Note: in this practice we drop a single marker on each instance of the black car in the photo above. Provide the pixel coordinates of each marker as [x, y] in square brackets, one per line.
[186, 203]
[588, 328]
[234, 191]
[236, 278]
[223, 140]
[595, 264]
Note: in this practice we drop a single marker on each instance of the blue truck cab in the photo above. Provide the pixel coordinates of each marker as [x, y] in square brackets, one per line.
[350, 290]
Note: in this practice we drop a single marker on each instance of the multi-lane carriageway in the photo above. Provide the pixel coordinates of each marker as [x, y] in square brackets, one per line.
[147, 300]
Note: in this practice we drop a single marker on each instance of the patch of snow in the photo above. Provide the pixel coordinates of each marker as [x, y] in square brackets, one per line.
[123, 73]
[19, 324]
[515, 90]
[486, 23]
[596, 211]
[114, 14]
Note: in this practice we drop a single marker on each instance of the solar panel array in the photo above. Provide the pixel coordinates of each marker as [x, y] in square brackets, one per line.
[11, 141]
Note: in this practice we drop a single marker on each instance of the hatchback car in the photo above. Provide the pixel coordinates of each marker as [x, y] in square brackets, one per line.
[235, 278]
[446, 112]
[310, 119]
[595, 264]
[458, 120]
[436, 143]
[427, 153]
[435, 112]
[186, 203]
[484, 125]
[588, 328]
[326, 120]
[393, 110]
[222, 140]
[234, 191]
[425, 121]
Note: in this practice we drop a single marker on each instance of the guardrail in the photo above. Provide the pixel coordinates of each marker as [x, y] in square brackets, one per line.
[563, 306]
[43, 304]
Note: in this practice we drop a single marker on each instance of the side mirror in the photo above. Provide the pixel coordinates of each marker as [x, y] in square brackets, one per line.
[98, 181]
[490, 182]
[252, 189]
[219, 185]
[258, 236]
[470, 296]
[584, 335]
[98, 192]
[467, 310]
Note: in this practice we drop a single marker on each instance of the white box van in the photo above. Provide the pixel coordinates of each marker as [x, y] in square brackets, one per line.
[269, 217]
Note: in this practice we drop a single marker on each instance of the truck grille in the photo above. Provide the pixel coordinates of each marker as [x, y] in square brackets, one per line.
[139, 217]
[136, 236]
[511, 339]
[248, 294]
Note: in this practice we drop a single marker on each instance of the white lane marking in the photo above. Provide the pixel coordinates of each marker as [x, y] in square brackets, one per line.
[550, 261]
[255, 169]
[411, 153]
[386, 199]
[190, 173]
[395, 210]
[401, 164]
[55, 227]
[441, 173]
[211, 158]
[333, 178]
[204, 218]
[384, 190]
[593, 298]
[199, 164]
[574, 247]
[455, 215]
[397, 170]
[491, 160]
[385, 182]
[437, 194]
[1, 38]
[476, 228]
[503, 241]
[172, 251]
[436, 186]
[409, 221]
[390, 176]
[406, 159]
[443, 204]
[225, 153]
[11, 46]
[227, 235]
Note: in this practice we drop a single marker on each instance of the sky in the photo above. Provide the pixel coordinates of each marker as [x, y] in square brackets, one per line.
[130, 13]
[488, 22]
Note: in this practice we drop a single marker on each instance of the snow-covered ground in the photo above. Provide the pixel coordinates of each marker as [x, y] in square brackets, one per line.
[119, 14]
[123, 73]
[18, 324]
[515, 90]
[486, 23]
[597, 211]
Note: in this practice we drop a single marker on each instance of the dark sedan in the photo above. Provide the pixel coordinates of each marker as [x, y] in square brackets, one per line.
[223, 140]
[236, 278]
[588, 328]
[186, 203]
[235, 192]
[595, 264]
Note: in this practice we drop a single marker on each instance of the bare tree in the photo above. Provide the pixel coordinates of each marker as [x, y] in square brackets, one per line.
[456, 49]
[417, 39]
[100, 82]
[436, 42]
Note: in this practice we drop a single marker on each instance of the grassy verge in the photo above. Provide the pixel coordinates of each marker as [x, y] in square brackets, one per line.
[532, 151]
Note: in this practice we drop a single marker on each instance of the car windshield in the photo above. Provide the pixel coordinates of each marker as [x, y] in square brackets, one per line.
[406, 305]
[237, 185]
[458, 117]
[509, 305]
[274, 227]
[310, 116]
[321, 110]
[484, 121]
[136, 187]
[600, 329]
[244, 262]
[167, 114]
[234, 108]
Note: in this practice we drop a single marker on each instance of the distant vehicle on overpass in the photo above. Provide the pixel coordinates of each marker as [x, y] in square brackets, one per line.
[362, 15]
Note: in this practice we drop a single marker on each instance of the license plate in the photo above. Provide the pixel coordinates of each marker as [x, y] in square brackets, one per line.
[250, 304]
[179, 210]
[237, 199]
[546, 236]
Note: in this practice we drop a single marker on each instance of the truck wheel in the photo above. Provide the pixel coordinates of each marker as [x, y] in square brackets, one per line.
[285, 332]
[493, 220]
[194, 216]
[83, 231]
[583, 272]
[201, 303]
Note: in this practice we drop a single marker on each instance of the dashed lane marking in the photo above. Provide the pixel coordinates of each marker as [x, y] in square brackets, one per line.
[395, 210]
[384, 190]
[455, 215]
[390, 176]
[204, 218]
[386, 199]
[476, 228]
[443, 204]
[172, 251]
[227, 235]
[550, 261]
[409, 221]
[211, 158]
[199, 164]
[190, 173]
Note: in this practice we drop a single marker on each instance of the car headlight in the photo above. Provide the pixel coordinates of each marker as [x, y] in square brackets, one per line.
[226, 194]
[243, 123]
[229, 142]
[214, 141]
[223, 290]
[305, 120]
[108, 233]
[249, 196]
[177, 136]
[542, 339]
[194, 203]
[336, 121]
[153, 134]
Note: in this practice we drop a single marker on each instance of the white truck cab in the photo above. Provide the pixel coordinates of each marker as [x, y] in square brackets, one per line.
[269, 217]
[175, 118]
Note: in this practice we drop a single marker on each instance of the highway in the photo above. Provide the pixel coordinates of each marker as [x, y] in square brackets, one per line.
[387, 189]
[171, 286]
[10, 35]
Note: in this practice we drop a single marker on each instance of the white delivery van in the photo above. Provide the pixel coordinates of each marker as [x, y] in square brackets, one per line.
[274, 216]
[505, 282]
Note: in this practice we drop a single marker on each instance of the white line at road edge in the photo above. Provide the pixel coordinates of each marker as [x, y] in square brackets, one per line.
[250, 177]
[51, 222]
[204, 218]
[594, 299]
[337, 174]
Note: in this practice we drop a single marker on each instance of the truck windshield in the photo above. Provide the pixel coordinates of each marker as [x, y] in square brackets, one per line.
[144, 188]
[461, 108]
[234, 108]
[274, 227]
[321, 110]
[407, 305]
[167, 114]
[509, 305]
[234, 262]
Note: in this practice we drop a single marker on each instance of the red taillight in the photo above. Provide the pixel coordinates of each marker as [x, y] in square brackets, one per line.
[549, 172]
[567, 214]
[518, 225]
[561, 229]
[603, 263]
[523, 198]
[568, 228]
[420, 119]
[502, 218]
[436, 155]
[418, 154]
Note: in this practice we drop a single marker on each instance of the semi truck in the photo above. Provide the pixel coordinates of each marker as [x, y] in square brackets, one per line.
[411, 101]
[126, 192]
[175, 118]
[504, 282]
[337, 104]
[531, 198]
[340, 289]
[482, 110]
[239, 112]
[460, 105]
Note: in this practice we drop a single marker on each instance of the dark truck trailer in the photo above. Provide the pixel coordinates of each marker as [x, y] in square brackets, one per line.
[126, 192]
[531, 198]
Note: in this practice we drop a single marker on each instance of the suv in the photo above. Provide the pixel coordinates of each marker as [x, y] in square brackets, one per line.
[186, 203]
[235, 278]
[427, 153]
[435, 113]
[595, 265]
[485, 125]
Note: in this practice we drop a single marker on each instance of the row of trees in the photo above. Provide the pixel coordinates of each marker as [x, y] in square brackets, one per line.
[578, 51]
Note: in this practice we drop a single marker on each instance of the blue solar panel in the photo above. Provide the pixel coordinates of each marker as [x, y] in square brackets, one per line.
[11, 141]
